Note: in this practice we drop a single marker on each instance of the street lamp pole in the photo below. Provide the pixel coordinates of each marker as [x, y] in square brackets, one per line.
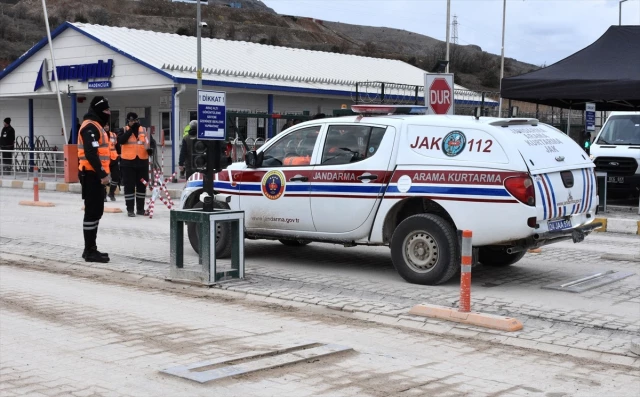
[55, 70]
[448, 27]
[620, 12]
[199, 34]
[504, 16]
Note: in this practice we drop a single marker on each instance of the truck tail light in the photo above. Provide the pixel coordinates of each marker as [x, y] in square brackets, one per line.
[521, 187]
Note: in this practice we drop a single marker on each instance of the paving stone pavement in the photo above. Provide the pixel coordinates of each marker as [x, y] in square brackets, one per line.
[362, 280]
[67, 336]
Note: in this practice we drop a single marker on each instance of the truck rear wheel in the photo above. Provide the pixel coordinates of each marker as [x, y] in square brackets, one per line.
[498, 256]
[425, 249]
[223, 235]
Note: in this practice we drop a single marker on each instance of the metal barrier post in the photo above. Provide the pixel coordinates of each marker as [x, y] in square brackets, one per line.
[36, 192]
[465, 272]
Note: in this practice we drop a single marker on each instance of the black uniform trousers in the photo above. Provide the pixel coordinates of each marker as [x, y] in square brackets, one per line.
[114, 168]
[134, 189]
[7, 157]
[92, 193]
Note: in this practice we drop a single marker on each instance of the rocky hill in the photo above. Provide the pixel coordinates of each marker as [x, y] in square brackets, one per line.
[22, 25]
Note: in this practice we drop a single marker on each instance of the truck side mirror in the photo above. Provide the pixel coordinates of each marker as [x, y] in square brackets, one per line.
[253, 159]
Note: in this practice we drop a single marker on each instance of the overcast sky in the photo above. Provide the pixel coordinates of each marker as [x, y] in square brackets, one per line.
[537, 31]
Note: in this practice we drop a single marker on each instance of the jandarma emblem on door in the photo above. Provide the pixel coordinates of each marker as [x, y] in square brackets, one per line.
[273, 185]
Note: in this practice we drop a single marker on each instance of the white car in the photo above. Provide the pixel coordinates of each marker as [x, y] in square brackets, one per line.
[616, 151]
[411, 182]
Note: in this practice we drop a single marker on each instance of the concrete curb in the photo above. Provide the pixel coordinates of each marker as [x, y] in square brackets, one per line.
[472, 318]
[65, 187]
[618, 225]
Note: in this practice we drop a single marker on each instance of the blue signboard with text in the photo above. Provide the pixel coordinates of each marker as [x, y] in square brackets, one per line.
[212, 115]
[590, 116]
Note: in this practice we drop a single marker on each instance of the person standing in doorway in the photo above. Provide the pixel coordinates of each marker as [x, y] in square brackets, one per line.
[7, 142]
[114, 165]
[185, 161]
[93, 172]
[192, 123]
[134, 163]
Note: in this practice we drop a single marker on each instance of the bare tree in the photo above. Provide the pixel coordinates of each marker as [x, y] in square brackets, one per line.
[252, 31]
[369, 48]
[231, 31]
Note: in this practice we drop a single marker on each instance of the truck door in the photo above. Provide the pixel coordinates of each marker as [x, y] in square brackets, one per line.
[276, 195]
[350, 177]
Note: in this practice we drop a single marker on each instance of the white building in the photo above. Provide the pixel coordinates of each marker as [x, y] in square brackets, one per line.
[154, 75]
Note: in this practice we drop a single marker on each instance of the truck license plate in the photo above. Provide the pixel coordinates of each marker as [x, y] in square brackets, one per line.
[616, 179]
[559, 225]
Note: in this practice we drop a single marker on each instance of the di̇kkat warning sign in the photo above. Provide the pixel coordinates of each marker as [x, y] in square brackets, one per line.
[212, 115]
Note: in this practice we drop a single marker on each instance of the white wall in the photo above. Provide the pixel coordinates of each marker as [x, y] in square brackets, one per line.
[46, 118]
[74, 48]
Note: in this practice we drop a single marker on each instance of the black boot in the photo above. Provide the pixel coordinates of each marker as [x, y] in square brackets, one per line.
[93, 255]
[140, 206]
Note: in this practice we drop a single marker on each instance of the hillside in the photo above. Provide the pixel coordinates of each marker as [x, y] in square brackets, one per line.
[22, 25]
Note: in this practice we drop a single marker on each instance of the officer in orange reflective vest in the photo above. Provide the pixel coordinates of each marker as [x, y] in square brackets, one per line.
[134, 163]
[114, 165]
[93, 172]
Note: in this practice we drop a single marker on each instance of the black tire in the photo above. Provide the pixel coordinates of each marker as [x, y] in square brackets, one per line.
[498, 256]
[223, 238]
[425, 249]
[295, 243]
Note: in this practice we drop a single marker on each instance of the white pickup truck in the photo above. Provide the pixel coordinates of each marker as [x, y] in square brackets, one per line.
[411, 182]
[616, 151]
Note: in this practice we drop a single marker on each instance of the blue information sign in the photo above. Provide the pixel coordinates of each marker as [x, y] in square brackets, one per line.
[590, 116]
[212, 115]
[96, 85]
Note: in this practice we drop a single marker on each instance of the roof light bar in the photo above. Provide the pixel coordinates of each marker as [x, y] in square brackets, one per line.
[389, 109]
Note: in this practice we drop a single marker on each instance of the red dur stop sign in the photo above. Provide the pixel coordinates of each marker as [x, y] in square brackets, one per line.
[440, 96]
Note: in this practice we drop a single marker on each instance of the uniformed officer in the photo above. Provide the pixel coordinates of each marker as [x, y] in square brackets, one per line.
[94, 159]
[134, 163]
[114, 165]
[186, 152]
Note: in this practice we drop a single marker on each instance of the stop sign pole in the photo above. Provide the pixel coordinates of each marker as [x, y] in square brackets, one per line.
[439, 93]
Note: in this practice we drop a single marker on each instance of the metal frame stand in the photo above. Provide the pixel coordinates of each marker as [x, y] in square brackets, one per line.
[207, 222]
[601, 178]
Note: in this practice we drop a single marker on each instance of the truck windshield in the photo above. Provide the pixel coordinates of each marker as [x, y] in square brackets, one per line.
[621, 130]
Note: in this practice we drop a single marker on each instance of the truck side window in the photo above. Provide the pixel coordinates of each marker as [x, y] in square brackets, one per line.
[349, 144]
[295, 149]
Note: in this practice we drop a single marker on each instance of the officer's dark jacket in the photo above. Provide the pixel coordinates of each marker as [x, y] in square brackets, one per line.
[186, 151]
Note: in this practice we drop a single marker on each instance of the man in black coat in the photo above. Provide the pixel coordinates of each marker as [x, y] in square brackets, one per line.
[185, 161]
[7, 142]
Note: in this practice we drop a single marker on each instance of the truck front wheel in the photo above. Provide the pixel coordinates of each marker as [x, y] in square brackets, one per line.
[498, 256]
[425, 250]
[223, 234]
